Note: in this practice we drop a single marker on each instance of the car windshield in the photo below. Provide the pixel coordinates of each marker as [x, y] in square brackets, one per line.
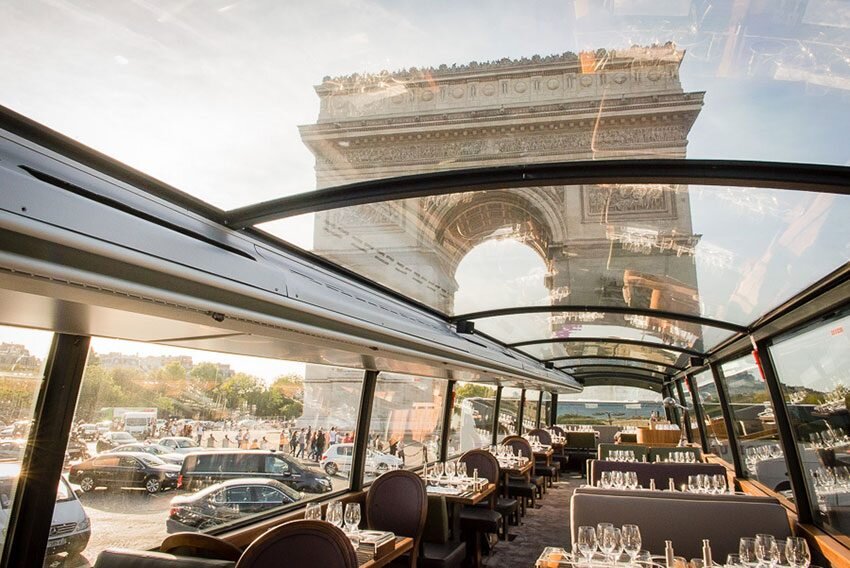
[186, 444]
[151, 460]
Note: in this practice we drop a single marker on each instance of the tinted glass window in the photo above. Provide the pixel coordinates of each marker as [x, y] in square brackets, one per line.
[812, 369]
[529, 415]
[241, 494]
[275, 464]
[406, 422]
[268, 495]
[472, 417]
[129, 462]
[508, 412]
[689, 403]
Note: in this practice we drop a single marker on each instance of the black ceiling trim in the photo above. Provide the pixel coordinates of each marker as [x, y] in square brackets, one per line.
[618, 358]
[594, 368]
[623, 375]
[651, 345]
[626, 310]
[735, 173]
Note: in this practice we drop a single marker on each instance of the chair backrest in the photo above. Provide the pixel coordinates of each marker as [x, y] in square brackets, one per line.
[581, 440]
[397, 502]
[520, 444]
[199, 545]
[603, 450]
[684, 521]
[558, 430]
[300, 544]
[486, 464]
[542, 435]
[437, 521]
[125, 558]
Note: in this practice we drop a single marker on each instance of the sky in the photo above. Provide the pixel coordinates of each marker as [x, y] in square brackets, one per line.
[208, 96]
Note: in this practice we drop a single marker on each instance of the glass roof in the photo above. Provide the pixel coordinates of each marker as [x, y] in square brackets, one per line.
[601, 364]
[241, 101]
[244, 101]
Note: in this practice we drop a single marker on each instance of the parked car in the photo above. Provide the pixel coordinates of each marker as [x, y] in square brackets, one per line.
[179, 444]
[337, 459]
[12, 449]
[77, 450]
[162, 452]
[227, 501]
[112, 440]
[104, 426]
[70, 528]
[129, 470]
[204, 468]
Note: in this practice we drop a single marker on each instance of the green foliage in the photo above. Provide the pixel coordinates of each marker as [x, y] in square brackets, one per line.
[471, 390]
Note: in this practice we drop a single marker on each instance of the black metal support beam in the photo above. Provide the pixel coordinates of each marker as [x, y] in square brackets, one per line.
[32, 507]
[361, 439]
[587, 368]
[799, 177]
[681, 392]
[619, 375]
[624, 310]
[539, 410]
[786, 434]
[448, 405]
[700, 416]
[614, 340]
[553, 411]
[520, 413]
[728, 417]
[616, 358]
[496, 409]
[672, 413]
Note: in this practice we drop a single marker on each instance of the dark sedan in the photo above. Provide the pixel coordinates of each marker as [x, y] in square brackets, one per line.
[132, 470]
[227, 501]
[110, 440]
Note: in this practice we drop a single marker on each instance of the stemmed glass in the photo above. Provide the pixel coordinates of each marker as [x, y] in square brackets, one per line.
[747, 551]
[732, 561]
[797, 552]
[352, 517]
[333, 514]
[777, 554]
[611, 542]
[764, 544]
[449, 468]
[631, 541]
[719, 482]
[586, 537]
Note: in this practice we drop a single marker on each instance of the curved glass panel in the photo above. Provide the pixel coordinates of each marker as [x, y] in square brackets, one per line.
[529, 410]
[585, 363]
[579, 372]
[522, 327]
[508, 412]
[310, 95]
[609, 408]
[472, 417]
[723, 253]
[596, 348]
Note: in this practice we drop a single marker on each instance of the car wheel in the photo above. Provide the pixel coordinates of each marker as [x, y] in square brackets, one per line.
[153, 485]
[87, 484]
[331, 468]
[382, 468]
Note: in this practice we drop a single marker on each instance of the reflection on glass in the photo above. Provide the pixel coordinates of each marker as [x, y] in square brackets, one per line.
[546, 410]
[508, 412]
[406, 423]
[23, 355]
[612, 407]
[472, 417]
[812, 368]
[151, 422]
[529, 413]
[755, 423]
[715, 425]
[689, 402]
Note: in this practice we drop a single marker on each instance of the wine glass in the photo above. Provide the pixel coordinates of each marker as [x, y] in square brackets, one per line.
[719, 482]
[797, 552]
[693, 483]
[333, 514]
[313, 512]
[631, 541]
[631, 480]
[732, 561]
[777, 554]
[449, 468]
[605, 479]
[586, 537]
[611, 541]
[764, 544]
[352, 517]
[747, 551]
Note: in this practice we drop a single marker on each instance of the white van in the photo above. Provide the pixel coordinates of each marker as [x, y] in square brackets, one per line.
[70, 530]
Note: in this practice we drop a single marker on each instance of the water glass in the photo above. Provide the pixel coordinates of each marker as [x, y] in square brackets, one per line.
[777, 554]
[732, 561]
[719, 482]
[449, 468]
[631, 480]
[764, 544]
[352, 517]
[586, 537]
[605, 479]
[747, 551]
[333, 514]
[313, 512]
[693, 483]
[797, 552]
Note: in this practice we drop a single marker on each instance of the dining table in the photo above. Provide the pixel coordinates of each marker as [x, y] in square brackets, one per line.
[403, 544]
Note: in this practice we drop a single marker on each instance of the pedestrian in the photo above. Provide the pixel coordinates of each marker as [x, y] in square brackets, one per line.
[255, 445]
[293, 442]
[320, 444]
[264, 444]
[211, 441]
[302, 442]
[400, 450]
[225, 442]
[245, 438]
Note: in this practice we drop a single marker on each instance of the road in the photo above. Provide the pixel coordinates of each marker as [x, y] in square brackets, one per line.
[131, 518]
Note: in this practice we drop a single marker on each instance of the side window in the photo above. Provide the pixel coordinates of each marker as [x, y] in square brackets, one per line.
[345, 451]
[218, 497]
[275, 464]
[269, 495]
[128, 462]
[106, 461]
[239, 494]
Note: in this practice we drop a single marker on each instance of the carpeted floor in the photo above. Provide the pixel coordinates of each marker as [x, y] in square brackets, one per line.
[547, 526]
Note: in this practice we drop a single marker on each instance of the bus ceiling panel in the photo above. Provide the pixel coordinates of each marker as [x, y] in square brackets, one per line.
[242, 308]
[622, 382]
[798, 177]
[660, 347]
[559, 351]
[579, 370]
[637, 376]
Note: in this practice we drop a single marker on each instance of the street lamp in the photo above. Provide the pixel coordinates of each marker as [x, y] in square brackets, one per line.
[671, 403]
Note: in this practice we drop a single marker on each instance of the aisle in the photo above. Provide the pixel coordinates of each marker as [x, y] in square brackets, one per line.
[547, 526]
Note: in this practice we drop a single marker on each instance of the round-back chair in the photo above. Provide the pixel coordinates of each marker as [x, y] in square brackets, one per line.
[199, 545]
[300, 544]
[519, 444]
[397, 502]
[542, 435]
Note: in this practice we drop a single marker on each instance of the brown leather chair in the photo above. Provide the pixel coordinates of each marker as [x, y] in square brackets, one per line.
[523, 448]
[300, 544]
[125, 558]
[551, 473]
[488, 467]
[438, 549]
[397, 502]
[199, 545]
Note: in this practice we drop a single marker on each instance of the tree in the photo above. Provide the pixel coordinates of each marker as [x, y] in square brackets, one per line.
[471, 390]
[238, 389]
